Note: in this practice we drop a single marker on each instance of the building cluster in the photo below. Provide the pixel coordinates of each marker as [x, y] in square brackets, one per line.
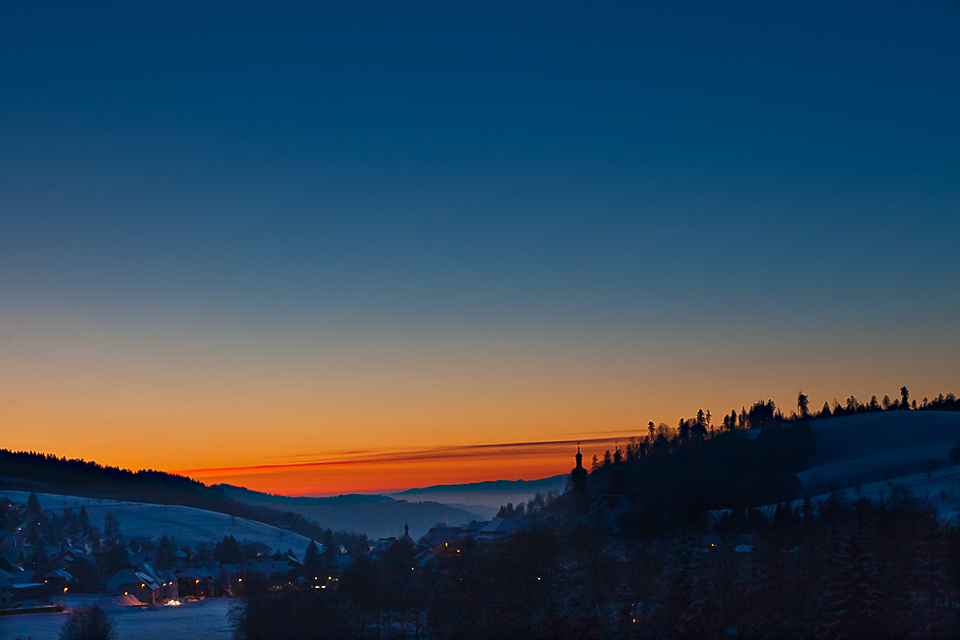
[140, 582]
[440, 542]
[68, 567]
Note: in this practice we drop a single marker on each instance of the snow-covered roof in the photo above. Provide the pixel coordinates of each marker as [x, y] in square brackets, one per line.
[500, 527]
[471, 529]
[437, 535]
[59, 573]
[22, 577]
[122, 577]
[196, 573]
[129, 576]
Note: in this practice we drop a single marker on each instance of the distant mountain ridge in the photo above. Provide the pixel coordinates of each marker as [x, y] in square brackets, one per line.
[487, 497]
[243, 493]
[375, 515]
[487, 485]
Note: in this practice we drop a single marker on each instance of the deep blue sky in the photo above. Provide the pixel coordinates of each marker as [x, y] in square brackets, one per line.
[700, 179]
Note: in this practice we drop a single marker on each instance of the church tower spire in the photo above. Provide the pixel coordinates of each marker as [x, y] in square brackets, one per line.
[578, 477]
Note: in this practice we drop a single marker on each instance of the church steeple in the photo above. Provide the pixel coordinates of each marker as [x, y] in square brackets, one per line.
[406, 540]
[578, 477]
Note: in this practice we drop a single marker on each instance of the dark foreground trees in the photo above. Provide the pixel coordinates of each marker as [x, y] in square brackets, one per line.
[87, 623]
[846, 569]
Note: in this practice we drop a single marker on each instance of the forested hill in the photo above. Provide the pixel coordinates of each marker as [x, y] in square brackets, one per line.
[29, 471]
[674, 477]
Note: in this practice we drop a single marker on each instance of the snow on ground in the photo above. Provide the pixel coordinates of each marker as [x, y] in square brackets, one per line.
[201, 620]
[941, 489]
[877, 447]
[187, 524]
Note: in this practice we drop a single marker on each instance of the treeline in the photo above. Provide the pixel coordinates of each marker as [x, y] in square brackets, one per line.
[712, 467]
[663, 437]
[837, 569]
[853, 406]
[703, 474]
[26, 471]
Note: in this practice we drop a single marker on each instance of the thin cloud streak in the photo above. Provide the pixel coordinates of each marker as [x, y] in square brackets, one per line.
[378, 457]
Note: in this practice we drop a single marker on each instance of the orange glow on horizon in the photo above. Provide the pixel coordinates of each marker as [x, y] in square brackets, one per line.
[304, 412]
[391, 471]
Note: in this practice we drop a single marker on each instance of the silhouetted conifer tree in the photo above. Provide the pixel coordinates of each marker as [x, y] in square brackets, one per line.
[803, 404]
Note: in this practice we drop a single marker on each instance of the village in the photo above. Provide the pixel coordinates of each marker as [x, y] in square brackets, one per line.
[37, 566]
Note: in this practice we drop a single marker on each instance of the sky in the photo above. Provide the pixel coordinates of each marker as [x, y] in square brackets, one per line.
[314, 248]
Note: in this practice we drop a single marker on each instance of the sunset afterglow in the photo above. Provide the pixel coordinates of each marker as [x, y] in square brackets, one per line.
[313, 249]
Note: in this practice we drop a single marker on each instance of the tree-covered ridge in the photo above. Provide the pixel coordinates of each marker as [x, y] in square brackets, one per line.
[662, 437]
[26, 470]
[674, 475]
[49, 469]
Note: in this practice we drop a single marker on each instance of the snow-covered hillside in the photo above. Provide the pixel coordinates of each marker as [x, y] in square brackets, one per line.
[874, 455]
[186, 524]
[880, 446]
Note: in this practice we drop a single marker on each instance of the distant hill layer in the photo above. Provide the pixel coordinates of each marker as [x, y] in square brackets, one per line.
[376, 516]
[487, 497]
[499, 486]
[250, 495]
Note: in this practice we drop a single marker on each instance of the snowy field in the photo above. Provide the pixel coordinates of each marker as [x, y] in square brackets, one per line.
[188, 525]
[879, 447]
[203, 620]
[941, 489]
[872, 455]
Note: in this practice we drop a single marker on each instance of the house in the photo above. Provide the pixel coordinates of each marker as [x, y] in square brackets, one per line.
[441, 541]
[6, 590]
[278, 572]
[128, 582]
[500, 529]
[381, 546]
[24, 586]
[471, 530]
[198, 582]
[169, 586]
[58, 579]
